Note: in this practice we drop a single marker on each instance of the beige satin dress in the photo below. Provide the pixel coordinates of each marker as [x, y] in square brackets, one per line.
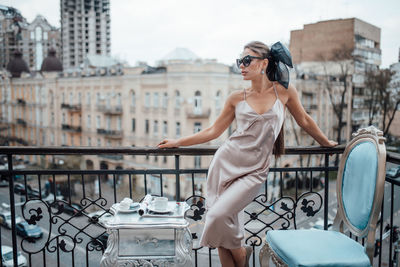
[238, 169]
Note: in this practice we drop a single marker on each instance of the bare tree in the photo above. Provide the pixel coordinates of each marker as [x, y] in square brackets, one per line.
[372, 95]
[339, 84]
[389, 100]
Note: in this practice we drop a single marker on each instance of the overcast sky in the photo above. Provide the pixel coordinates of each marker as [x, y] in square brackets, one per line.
[148, 30]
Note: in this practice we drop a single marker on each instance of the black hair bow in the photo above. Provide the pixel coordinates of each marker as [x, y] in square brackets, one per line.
[281, 58]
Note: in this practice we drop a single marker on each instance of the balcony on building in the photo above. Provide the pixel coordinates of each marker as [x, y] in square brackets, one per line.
[111, 134]
[21, 122]
[70, 128]
[72, 108]
[197, 113]
[110, 110]
[21, 101]
[298, 190]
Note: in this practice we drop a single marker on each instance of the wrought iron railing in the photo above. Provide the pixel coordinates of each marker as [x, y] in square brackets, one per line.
[293, 197]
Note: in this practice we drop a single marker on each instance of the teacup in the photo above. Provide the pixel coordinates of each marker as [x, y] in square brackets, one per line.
[125, 203]
[160, 203]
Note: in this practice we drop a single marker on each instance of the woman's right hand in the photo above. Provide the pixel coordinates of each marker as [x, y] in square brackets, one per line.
[168, 143]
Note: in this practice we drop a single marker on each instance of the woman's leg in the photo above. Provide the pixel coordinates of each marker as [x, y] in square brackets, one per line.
[225, 257]
[239, 256]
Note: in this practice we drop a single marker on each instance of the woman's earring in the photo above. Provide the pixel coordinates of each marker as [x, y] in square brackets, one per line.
[262, 72]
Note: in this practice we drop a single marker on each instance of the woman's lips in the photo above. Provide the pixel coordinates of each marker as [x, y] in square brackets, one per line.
[244, 72]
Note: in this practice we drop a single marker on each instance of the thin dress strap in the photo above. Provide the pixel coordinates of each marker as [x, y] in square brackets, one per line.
[244, 94]
[276, 93]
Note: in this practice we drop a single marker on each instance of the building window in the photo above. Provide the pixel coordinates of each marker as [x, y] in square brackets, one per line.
[88, 122]
[197, 127]
[52, 118]
[89, 141]
[98, 142]
[98, 122]
[108, 123]
[155, 129]
[165, 128]
[146, 126]
[52, 138]
[63, 118]
[177, 99]
[133, 99]
[98, 99]
[71, 98]
[79, 98]
[133, 125]
[108, 100]
[63, 139]
[119, 124]
[88, 98]
[63, 98]
[165, 159]
[147, 100]
[72, 140]
[119, 99]
[155, 158]
[197, 103]
[155, 99]
[165, 101]
[178, 129]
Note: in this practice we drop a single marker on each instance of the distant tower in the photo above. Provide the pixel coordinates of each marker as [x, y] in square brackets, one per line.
[85, 30]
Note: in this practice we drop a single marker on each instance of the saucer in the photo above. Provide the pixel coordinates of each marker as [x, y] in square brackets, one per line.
[151, 207]
[131, 209]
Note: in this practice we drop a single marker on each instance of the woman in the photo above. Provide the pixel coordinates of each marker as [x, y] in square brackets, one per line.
[240, 166]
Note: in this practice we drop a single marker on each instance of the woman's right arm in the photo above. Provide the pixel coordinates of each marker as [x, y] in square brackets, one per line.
[221, 123]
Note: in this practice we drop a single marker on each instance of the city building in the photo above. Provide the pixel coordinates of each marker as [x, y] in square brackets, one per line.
[120, 107]
[331, 52]
[33, 39]
[85, 30]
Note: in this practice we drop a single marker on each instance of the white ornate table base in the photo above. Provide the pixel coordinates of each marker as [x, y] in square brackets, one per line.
[147, 242]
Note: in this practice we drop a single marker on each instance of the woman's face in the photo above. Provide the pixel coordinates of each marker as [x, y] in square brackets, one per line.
[253, 71]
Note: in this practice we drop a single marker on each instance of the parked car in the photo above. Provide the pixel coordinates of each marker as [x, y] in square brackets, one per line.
[101, 240]
[73, 209]
[25, 229]
[393, 172]
[21, 190]
[101, 215]
[5, 219]
[7, 257]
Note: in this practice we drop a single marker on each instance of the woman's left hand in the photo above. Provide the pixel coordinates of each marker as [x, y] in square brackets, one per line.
[330, 144]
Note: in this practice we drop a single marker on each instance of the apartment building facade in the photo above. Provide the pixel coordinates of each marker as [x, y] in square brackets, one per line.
[33, 39]
[120, 107]
[85, 30]
[315, 54]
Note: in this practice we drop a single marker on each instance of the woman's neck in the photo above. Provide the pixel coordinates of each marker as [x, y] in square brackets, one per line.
[260, 85]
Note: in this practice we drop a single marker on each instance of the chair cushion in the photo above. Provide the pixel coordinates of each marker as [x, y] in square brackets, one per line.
[316, 248]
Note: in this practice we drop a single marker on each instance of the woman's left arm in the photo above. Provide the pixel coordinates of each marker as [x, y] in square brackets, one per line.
[304, 120]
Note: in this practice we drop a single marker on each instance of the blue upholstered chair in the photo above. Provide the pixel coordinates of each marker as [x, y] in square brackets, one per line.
[360, 186]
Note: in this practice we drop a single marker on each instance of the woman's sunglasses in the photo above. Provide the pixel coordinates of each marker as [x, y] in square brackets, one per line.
[246, 60]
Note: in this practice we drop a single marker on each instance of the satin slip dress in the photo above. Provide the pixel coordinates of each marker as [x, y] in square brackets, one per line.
[237, 171]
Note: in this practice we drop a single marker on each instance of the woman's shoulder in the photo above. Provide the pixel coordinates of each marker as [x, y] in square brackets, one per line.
[236, 96]
[285, 94]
